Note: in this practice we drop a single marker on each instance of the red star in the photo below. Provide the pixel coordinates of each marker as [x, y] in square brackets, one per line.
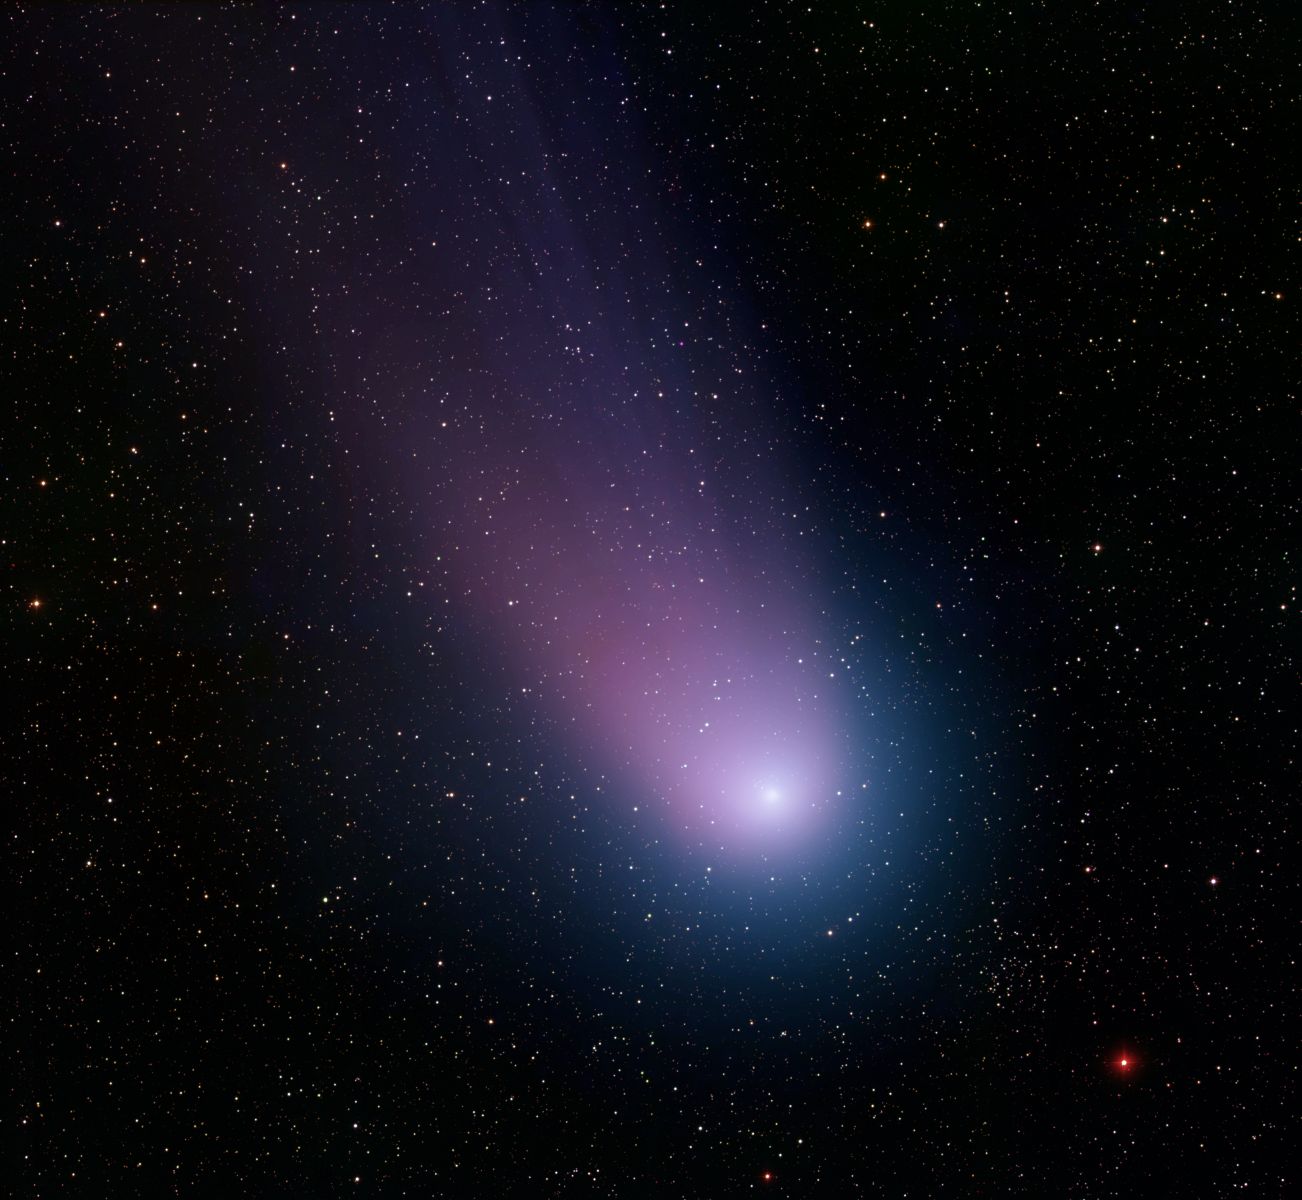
[1124, 1062]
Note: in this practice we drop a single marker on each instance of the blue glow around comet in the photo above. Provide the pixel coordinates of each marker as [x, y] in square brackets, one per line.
[568, 383]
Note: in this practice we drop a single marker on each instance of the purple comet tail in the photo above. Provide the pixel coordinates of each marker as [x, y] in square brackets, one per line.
[609, 503]
[667, 643]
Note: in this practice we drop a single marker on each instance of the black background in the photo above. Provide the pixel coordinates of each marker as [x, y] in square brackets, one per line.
[1019, 276]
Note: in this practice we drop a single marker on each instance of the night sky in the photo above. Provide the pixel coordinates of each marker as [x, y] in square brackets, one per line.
[636, 600]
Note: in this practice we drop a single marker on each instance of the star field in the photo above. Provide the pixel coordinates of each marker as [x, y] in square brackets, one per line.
[663, 600]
